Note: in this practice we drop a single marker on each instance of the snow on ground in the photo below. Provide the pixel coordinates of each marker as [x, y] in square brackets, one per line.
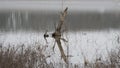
[81, 43]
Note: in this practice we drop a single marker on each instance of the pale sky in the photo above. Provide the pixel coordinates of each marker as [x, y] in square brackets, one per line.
[57, 5]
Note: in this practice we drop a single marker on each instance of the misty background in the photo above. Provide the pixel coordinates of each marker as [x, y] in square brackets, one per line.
[91, 25]
[42, 15]
[38, 21]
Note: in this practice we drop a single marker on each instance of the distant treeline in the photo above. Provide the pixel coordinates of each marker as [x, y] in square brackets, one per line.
[38, 21]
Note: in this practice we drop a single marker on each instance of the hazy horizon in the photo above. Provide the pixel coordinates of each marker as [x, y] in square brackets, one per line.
[76, 5]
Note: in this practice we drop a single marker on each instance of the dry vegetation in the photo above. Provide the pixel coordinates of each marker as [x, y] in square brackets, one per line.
[23, 57]
[28, 57]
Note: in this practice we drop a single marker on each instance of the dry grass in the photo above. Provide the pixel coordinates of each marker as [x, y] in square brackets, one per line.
[29, 57]
[112, 61]
[22, 57]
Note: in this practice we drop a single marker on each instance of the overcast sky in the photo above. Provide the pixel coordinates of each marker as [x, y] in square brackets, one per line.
[57, 0]
[56, 5]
